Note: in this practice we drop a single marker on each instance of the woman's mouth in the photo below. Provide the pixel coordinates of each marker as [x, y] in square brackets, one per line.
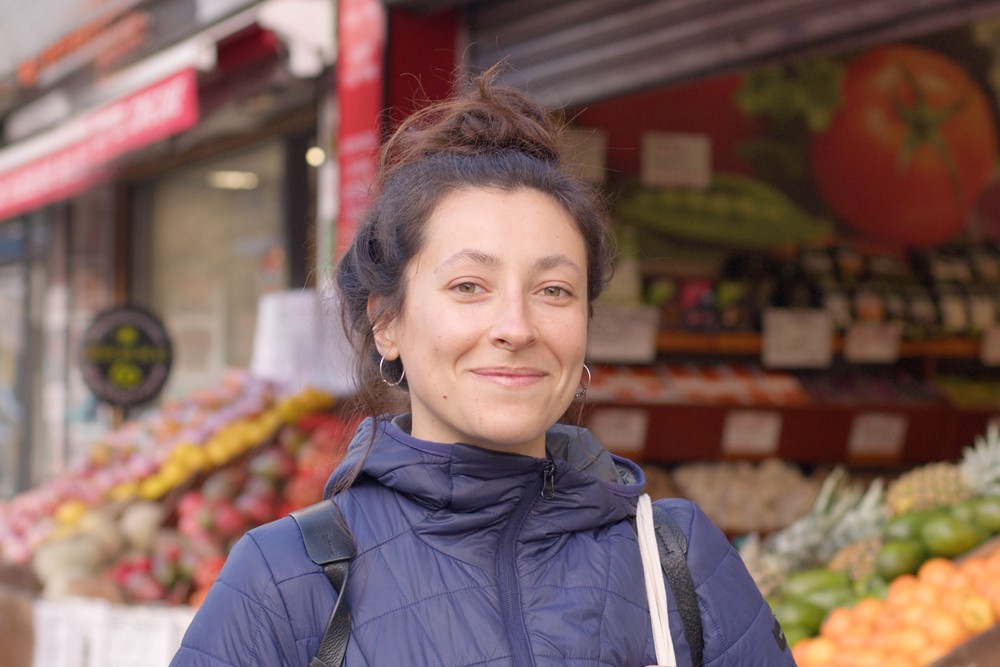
[510, 377]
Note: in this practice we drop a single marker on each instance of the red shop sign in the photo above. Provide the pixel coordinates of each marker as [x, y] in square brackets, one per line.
[85, 145]
[361, 45]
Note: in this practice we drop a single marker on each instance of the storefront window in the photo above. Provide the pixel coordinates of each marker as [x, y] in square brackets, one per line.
[13, 285]
[74, 271]
[210, 241]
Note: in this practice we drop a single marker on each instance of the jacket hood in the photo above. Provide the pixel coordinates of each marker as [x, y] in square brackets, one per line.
[470, 488]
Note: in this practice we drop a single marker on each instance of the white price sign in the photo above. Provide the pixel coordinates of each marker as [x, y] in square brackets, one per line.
[623, 334]
[989, 349]
[620, 429]
[797, 338]
[751, 432]
[872, 342]
[676, 159]
[880, 434]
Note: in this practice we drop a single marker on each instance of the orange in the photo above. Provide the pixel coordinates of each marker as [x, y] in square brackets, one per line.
[900, 590]
[945, 629]
[866, 610]
[814, 651]
[936, 571]
[974, 567]
[924, 594]
[960, 579]
[976, 613]
[909, 640]
[991, 591]
[912, 616]
[899, 660]
[888, 619]
[838, 623]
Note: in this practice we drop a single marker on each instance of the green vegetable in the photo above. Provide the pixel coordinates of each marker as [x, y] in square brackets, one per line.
[808, 91]
[735, 211]
[898, 557]
[803, 582]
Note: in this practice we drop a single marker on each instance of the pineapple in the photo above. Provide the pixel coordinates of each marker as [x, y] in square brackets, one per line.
[857, 560]
[944, 483]
[927, 487]
[981, 464]
[796, 547]
[860, 522]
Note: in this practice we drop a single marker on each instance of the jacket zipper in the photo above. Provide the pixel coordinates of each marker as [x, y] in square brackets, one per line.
[510, 592]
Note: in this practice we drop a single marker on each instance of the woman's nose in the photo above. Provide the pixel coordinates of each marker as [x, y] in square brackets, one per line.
[514, 327]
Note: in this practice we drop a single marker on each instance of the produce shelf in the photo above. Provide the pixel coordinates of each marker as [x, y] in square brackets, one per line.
[882, 435]
[748, 343]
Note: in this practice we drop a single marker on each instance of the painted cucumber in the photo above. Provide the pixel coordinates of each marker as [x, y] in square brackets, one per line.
[734, 211]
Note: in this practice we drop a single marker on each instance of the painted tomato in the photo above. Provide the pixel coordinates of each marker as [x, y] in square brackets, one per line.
[910, 147]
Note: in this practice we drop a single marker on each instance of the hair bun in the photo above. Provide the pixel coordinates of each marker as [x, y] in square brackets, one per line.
[489, 116]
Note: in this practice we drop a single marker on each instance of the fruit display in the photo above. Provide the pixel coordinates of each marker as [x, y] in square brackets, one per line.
[742, 497]
[921, 617]
[867, 568]
[152, 511]
[722, 383]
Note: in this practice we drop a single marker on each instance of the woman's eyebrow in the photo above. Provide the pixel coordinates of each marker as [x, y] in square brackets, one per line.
[545, 263]
[556, 261]
[467, 255]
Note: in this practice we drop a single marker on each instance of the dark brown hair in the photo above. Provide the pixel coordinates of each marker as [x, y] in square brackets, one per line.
[492, 135]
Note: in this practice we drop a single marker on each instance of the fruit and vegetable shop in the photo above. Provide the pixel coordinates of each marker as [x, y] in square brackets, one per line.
[802, 334]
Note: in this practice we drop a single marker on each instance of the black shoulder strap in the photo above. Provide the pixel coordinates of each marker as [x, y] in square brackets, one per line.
[672, 544]
[329, 544]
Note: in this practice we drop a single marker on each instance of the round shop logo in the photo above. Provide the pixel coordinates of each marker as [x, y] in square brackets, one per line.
[126, 356]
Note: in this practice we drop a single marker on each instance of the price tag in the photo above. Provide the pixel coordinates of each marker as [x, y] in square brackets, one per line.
[872, 342]
[751, 432]
[797, 338]
[676, 159]
[68, 633]
[623, 334]
[141, 637]
[620, 429]
[877, 434]
[989, 350]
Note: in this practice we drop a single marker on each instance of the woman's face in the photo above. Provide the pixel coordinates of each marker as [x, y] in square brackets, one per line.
[493, 330]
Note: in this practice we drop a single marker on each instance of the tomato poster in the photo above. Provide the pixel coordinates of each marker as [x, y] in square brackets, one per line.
[894, 145]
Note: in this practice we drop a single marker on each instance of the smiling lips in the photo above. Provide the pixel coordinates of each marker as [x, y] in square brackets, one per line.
[510, 377]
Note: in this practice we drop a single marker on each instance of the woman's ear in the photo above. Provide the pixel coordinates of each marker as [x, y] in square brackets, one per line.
[383, 331]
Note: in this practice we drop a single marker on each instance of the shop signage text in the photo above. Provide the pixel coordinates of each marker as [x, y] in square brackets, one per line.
[98, 137]
[126, 356]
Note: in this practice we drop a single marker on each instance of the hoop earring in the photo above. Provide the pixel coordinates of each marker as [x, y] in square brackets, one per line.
[381, 373]
[584, 387]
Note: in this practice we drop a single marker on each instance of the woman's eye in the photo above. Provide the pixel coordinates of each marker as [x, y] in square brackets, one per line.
[467, 288]
[554, 291]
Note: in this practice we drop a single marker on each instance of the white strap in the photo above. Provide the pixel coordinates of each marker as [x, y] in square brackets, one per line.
[656, 592]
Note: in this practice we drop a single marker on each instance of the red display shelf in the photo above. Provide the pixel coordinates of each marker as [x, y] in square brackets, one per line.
[733, 343]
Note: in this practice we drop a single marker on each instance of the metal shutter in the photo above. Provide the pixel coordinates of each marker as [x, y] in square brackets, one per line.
[569, 52]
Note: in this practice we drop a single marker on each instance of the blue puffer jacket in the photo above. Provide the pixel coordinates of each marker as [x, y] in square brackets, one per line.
[463, 560]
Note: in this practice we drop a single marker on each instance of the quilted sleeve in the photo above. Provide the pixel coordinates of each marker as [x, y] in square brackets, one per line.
[738, 626]
[243, 621]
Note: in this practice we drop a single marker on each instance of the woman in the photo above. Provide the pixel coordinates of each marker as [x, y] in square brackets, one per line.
[487, 533]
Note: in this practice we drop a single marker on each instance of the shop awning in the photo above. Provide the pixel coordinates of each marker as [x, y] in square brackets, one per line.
[141, 104]
[66, 160]
[571, 52]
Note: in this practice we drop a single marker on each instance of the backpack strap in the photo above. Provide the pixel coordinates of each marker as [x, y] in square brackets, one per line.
[672, 543]
[330, 545]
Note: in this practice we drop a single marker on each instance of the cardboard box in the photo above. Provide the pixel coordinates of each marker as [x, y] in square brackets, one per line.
[17, 638]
